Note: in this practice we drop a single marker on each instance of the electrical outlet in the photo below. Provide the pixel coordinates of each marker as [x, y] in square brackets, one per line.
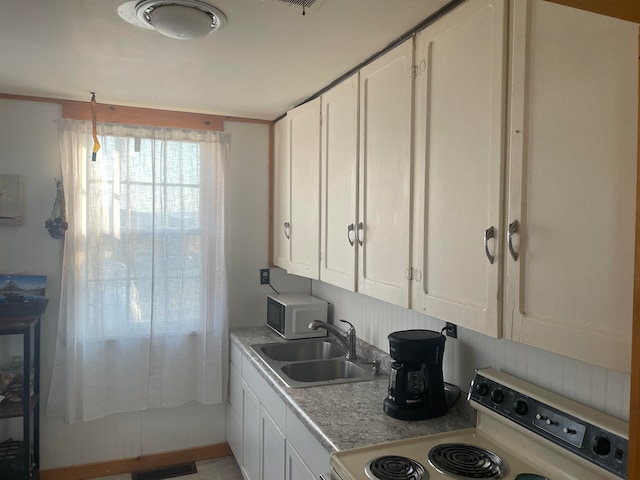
[452, 330]
[264, 276]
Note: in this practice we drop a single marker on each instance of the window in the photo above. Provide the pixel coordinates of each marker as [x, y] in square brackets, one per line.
[145, 238]
[143, 315]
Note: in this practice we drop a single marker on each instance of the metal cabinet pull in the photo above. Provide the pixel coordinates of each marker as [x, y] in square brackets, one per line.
[359, 232]
[286, 229]
[514, 227]
[489, 233]
[351, 234]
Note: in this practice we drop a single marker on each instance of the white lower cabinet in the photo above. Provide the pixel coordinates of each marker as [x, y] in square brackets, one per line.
[251, 446]
[296, 468]
[308, 447]
[272, 451]
[234, 413]
[267, 439]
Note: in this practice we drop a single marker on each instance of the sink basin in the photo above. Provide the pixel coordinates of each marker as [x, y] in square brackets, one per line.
[310, 363]
[322, 371]
[301, 350]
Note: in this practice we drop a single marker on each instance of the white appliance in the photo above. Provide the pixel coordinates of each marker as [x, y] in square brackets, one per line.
[522, 432]
[289, 315]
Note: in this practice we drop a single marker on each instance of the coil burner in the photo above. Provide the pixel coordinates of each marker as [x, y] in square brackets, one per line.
[461, 460]
[393, 467]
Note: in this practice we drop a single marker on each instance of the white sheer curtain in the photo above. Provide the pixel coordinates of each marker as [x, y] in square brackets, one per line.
[143, 311]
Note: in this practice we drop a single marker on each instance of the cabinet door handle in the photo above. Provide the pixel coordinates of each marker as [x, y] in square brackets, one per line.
[286, 225]
[514, 227]
[351, 234]
[489, 233]
[360, 233]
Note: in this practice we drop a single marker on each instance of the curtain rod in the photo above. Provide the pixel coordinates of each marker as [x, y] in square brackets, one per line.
[405, 36]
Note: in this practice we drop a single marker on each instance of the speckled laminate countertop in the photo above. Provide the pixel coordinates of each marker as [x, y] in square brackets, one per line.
[348, 415]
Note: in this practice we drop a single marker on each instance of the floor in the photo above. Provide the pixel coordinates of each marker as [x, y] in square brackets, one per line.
[224, 468]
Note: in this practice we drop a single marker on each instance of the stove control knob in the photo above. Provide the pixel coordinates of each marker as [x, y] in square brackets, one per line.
[521, 407]
[482, 388]
[497, 396]
[601, 446]
[569, 431]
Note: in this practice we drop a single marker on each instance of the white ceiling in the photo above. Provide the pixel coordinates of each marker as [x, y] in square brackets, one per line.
[267, 58]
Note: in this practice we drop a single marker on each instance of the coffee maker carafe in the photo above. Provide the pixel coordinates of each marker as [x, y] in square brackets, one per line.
[416, 384]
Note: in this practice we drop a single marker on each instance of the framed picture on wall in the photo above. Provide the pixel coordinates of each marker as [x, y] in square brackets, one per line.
[10, 200]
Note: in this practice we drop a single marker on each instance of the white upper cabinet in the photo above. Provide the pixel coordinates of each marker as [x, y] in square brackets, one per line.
[459, 164]
[383, 229]
[304, 202]
[571, 199]
[281, 192]
[339, 188]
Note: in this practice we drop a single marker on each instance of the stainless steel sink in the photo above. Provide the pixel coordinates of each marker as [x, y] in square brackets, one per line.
[309, 363]
[322, 370]
[300, 350]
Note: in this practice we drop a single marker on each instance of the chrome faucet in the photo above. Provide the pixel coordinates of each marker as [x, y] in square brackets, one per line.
[348, 340]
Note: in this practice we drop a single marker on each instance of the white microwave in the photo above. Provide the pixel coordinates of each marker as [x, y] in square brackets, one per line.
[289, 314]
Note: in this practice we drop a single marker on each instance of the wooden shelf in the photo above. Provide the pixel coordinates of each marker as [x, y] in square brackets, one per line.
[16, 325]
[12, 410]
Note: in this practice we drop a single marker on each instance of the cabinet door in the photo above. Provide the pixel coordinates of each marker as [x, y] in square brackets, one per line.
[573, 141]
[251, 435]
[459, 151]
[234, 434]
[339, 184]
[234, 413]
[304, 207]
[296, 468]
[281, 192]
[386, 87]
[272, 451]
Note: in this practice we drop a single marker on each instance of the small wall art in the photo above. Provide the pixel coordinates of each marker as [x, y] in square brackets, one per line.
[10, 200]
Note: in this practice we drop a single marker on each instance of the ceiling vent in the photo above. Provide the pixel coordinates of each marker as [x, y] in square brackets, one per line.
[307, 5]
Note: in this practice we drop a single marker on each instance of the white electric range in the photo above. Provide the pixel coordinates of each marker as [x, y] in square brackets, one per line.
[522, 432]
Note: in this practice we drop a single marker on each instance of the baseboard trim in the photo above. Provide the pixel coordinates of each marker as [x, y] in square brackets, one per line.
[146, 462]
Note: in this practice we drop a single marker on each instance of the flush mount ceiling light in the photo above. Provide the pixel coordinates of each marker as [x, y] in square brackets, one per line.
[181, 19]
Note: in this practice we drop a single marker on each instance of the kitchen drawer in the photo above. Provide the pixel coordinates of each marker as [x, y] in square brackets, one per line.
[267, 395]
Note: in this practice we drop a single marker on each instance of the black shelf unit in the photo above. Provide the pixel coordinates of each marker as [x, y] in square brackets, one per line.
[29, 407]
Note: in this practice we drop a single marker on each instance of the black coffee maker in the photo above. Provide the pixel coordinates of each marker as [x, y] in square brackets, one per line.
[416, 384]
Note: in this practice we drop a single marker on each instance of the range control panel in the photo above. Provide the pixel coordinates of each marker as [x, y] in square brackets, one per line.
[591, 442]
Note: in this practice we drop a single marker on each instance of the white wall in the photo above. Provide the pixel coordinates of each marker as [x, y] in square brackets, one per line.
[248, 226]
[602, 389]
[29, 147]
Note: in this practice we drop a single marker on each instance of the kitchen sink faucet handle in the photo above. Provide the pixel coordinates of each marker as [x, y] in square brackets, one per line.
[349, 323]
[351, 340]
